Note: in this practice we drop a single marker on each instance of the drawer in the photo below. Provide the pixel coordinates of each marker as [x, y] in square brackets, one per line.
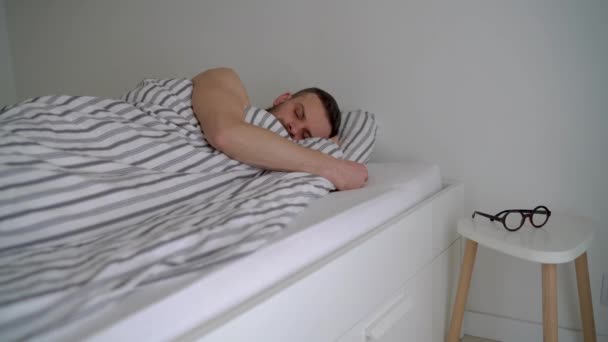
[405, 316]
[357, 280]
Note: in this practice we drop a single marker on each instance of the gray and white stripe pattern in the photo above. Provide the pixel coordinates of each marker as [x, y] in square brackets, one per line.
[358, 131]
[101, 196]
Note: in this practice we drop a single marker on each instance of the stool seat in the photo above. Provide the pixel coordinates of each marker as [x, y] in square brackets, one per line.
[561, 240]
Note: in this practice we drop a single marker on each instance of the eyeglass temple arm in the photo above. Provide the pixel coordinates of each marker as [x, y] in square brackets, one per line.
[491, 217]
[526, 211]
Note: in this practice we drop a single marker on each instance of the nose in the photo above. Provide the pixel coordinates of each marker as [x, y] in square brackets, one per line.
[294, 129]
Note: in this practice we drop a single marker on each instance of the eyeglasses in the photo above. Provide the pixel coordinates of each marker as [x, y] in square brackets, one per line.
[513, 219]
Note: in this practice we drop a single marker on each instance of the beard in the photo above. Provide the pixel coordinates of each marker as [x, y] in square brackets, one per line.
[271, 109]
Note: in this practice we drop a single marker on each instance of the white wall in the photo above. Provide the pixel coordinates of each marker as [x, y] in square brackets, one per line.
[510, 97]
[7, 79]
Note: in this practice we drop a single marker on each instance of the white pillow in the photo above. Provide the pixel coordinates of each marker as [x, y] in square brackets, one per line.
[357, 135]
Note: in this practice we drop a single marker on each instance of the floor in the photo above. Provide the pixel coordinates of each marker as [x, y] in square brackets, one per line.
[468, 338]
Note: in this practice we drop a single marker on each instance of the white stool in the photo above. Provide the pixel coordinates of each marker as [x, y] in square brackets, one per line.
[561, 240]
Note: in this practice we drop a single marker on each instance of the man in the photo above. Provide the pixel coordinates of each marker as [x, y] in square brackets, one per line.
[219, 99]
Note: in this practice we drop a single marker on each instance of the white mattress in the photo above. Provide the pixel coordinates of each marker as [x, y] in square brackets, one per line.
[326, 225]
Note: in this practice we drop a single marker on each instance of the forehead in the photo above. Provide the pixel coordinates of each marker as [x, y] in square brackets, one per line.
[316, 118]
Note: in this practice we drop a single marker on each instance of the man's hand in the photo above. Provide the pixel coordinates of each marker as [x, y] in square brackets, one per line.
[347, 175]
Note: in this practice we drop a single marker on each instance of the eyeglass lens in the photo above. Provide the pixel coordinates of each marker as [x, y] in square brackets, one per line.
[514, 220]
[539, 217]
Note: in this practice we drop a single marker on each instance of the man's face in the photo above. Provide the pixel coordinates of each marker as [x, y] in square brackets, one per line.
[302, 116]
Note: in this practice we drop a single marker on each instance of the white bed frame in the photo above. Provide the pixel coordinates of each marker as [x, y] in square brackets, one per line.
[395, 283]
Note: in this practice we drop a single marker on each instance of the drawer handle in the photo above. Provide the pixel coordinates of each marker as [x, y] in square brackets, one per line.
[385, 321]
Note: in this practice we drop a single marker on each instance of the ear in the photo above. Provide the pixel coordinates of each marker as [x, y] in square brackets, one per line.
[282, 98]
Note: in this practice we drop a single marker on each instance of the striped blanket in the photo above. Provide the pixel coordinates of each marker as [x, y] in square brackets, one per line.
[101, 196]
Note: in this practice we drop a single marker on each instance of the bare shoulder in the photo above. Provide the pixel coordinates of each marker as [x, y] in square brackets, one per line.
[218, 74]
[224, 79]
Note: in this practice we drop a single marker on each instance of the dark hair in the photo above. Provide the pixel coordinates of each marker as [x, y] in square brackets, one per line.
[329, 103]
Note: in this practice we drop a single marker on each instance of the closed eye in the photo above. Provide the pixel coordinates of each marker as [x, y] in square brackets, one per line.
[300, 112]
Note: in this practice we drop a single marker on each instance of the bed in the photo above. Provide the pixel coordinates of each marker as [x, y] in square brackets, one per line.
[336, 274]
[376, 263]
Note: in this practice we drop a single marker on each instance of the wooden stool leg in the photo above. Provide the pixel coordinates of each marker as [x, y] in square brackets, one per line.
[463, 290]
[549, 302]
[584, 297]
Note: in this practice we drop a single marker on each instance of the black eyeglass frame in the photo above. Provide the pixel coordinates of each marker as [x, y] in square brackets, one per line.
[525, 213]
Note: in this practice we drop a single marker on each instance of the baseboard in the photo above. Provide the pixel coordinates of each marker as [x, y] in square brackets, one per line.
[506, 329]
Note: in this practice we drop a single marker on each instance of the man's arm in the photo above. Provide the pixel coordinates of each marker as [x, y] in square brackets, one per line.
[219, 99]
